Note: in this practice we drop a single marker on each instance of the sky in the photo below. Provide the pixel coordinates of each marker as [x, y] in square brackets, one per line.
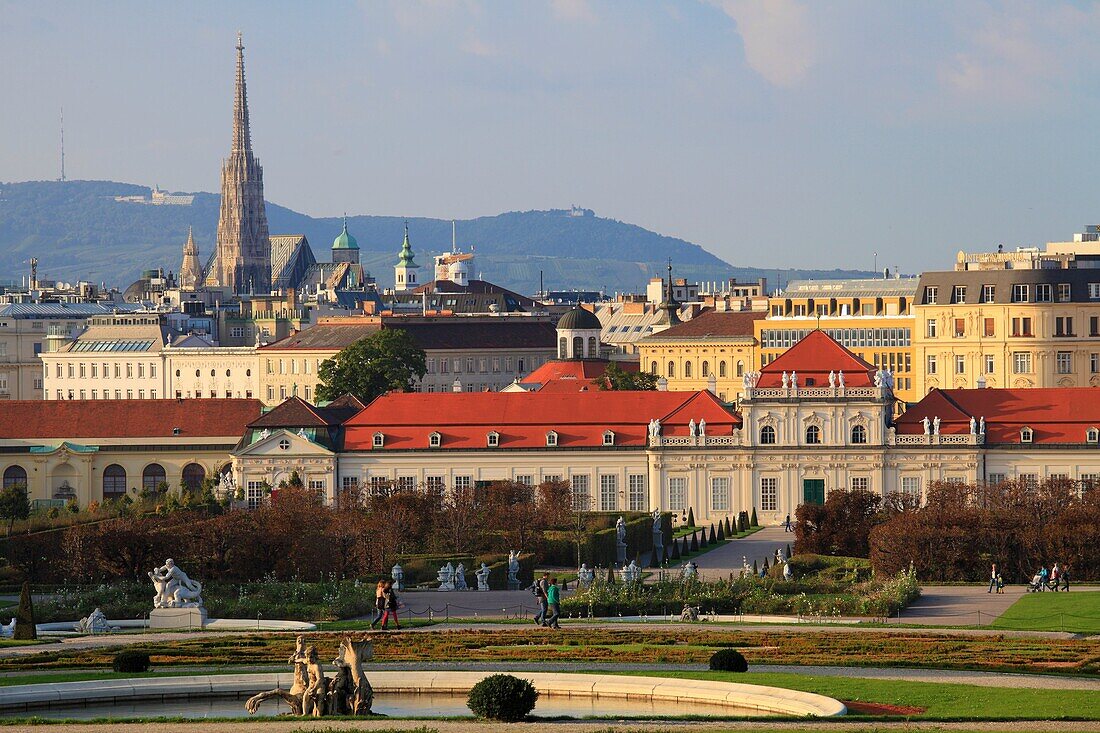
[773, 133]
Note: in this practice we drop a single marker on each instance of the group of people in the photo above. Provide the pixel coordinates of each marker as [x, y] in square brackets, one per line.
[385, 605]
[1057, 578]
[548, 594]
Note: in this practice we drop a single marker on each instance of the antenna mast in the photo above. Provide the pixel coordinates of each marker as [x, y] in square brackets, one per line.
[62, 179]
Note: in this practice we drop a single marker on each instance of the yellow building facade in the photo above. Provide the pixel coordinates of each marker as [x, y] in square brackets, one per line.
[872, 318]
[1008, 328]
[711, 351]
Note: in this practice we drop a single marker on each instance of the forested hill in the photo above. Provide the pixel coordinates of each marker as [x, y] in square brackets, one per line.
[77, 230]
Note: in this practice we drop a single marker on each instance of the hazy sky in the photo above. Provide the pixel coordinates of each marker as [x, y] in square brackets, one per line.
[777, 133]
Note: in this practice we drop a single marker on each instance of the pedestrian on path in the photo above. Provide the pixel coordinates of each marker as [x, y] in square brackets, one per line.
[992, 578]
[539, 589]
[787, 524]
[379, 603]
[553, 601]
[391, 607]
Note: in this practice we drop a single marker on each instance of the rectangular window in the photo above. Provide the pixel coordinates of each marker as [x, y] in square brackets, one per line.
[1044, 293]
[1094, 326]
[931, 364]
[348, 483]
[989, 363]
[861, 483]
[129, 370]
[463, 482]
[141, 371]
[95, 371]
[317, 484]
[434, 484]
[960, 364]
[996, 478]
[769, 494]
[609, 493]
[255, 494]
[989, 293]
[720, 493]
[638, 497]
[1019, 293]
[1094, 291]
[582, 495]
[1021, 362]
[1094, 363]
[677, 493]
[931, 328]
[496, 364]
[960, 327]
[1064, 362]
[1021, 327]
[1063, 292]
[406, 483]
[430, 364]
[931, 294]
[959, 294]
[525, 479]
[910, 485]
[129, 394]
[990, 328]
[378, 485]
[1063, 326]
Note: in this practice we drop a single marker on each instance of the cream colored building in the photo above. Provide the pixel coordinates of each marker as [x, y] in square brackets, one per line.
[91, 451]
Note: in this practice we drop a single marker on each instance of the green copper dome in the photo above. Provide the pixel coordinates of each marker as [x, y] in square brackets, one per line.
[406, 256]
[345, 240]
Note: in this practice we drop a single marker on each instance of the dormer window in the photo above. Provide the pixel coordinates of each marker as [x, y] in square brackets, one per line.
[435, 440]
[379, 440]
[493, 439]
[551, 439]
[608, 437]
[1026, 435]
[1092, 435]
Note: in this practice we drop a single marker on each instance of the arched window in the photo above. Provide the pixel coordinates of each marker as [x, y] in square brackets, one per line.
[671, 370]
[578, 347]
[562, 352]
[1026, 435]
[153, 476]
[193, 476]
[15, 476]
[687, 370]
[653, 367]
[859, 435]
[767, 435]
[1092, 435]
[114, 481]
[721, 368]
[813, 435]
[740, 368]
[593, 348]
[706, 369]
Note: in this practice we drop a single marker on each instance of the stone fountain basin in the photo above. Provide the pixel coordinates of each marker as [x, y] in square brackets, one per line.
[65, 628]
[773, 700]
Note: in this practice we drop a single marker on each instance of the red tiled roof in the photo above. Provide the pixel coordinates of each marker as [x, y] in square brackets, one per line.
[572, 375]
[813, 358]
[522, 419]
[326, 336]
[293, 412]
[90, 419]
[454, 333]
[712, 325]
[1055, 414]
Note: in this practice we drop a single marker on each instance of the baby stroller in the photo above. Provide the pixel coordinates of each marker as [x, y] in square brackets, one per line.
[1036, 585]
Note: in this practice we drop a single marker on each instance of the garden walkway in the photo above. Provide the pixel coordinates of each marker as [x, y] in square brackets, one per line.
[720, 562]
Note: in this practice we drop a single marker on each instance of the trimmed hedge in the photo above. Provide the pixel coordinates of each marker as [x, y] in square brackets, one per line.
[728, 660]
[502, 697]
[131, 661]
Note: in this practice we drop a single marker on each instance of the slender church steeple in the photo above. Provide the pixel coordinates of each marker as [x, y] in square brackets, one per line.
[191, 269]
[404, 273]
[242, 261]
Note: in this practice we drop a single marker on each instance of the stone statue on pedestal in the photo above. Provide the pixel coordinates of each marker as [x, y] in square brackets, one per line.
[173, 588]
[482, 576]
[460, 578]
[94, 623]
[585, 576]
[658, 536]
[397, 573]
[689, 571]
[620, 541]
[513, 570]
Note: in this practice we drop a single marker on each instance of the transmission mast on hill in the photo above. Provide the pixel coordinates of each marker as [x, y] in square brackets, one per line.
[62, 179]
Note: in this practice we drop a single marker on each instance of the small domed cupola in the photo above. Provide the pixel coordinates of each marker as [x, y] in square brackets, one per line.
[345, 248]
[579, 335]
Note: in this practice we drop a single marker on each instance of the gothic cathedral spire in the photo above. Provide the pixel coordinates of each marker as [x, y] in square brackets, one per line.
[242, 260]
[191, 269]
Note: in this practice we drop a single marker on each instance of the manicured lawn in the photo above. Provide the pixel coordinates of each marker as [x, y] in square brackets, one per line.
[939, 700]
[1074, 611]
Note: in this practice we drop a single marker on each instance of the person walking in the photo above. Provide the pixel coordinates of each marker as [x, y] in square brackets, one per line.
[1055, 576]
[391, 606]
[787, 524]
[992, 578]
[539, 589]
[553, 602]
[1065, 579]
[379, 603]
[1043, 575]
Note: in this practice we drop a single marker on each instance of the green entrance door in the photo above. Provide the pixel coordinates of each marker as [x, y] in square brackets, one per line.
[813, 490]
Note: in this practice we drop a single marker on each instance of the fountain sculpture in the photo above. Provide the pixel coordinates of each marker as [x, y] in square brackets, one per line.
[313, 694]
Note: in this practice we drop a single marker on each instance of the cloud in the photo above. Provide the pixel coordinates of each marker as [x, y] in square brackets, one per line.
[573, 10]
[477, 47]
[779, 42]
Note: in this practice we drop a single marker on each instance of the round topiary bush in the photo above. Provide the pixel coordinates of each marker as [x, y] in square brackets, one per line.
[131, 661]
[728, 660]
[502, 697]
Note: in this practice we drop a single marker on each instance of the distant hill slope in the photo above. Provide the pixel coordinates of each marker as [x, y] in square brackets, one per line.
[78, 231]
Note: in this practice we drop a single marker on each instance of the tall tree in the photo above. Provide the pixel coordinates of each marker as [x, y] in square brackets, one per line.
[384, 361]
[616, 378]
[14, 504]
